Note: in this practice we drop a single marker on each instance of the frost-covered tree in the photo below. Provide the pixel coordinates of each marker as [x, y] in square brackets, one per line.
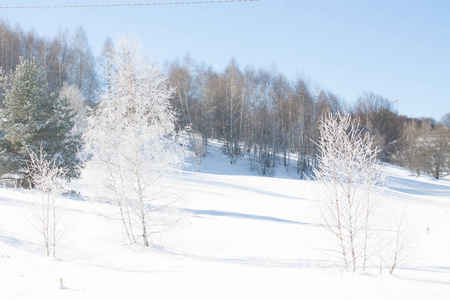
[32, 117]
[132, 144]
[76, 102]
[350, 178]
[48, 180]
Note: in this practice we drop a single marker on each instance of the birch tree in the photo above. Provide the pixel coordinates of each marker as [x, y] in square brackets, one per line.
[133, 146]
[350, 179]
[48, 180]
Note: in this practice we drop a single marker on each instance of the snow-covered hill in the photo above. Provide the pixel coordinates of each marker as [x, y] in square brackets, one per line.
[248, 237]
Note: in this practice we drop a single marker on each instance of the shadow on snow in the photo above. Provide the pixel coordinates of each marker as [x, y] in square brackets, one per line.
[217, 213]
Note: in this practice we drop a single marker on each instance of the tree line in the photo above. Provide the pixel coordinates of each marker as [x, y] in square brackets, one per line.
[272, 120]
[259, 114]
[66, 58]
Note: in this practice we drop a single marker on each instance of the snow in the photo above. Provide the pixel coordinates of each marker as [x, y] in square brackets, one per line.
[248, 237]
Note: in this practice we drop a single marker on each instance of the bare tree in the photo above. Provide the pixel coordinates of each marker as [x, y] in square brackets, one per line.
[48, 179]
[83, 72]
[349, 177]
[191, 100]
[234, 111]
[445, 121]
[203, 83]
[397, 246]
[377, 114]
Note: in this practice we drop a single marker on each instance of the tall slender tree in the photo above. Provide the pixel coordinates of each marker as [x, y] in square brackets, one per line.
[350, 178]
[133, 146]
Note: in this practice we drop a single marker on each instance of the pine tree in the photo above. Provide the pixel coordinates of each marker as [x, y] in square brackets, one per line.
[32, 118]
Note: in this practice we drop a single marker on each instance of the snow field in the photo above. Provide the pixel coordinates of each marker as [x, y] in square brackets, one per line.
[248, 237]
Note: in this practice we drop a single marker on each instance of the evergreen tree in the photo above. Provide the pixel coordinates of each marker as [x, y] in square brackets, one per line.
[32, 118]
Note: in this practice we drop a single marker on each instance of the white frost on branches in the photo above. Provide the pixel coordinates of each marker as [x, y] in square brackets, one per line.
[48, 179]
[351, 179]
[132, 145]
[77, 104]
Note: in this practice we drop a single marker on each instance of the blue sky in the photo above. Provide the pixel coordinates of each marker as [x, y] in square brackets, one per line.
[399, 49]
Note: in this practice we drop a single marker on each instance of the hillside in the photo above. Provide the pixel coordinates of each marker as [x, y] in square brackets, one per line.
[247, 237]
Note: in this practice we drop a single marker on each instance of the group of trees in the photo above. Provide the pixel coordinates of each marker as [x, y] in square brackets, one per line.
[259, 114]
[129, 142]
[46, 85]
[422, 145]
[38, 141]
[263, 116]
[67, 58]
[427, 146]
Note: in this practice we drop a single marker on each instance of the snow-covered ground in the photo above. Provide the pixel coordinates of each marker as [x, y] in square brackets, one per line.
[248, 237]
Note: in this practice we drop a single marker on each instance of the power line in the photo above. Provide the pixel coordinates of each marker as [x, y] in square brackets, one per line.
[127, 4]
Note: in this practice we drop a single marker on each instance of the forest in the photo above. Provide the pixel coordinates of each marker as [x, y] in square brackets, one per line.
[259, 114]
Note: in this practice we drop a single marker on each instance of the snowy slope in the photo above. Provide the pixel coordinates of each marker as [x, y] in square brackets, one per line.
[248, 237]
